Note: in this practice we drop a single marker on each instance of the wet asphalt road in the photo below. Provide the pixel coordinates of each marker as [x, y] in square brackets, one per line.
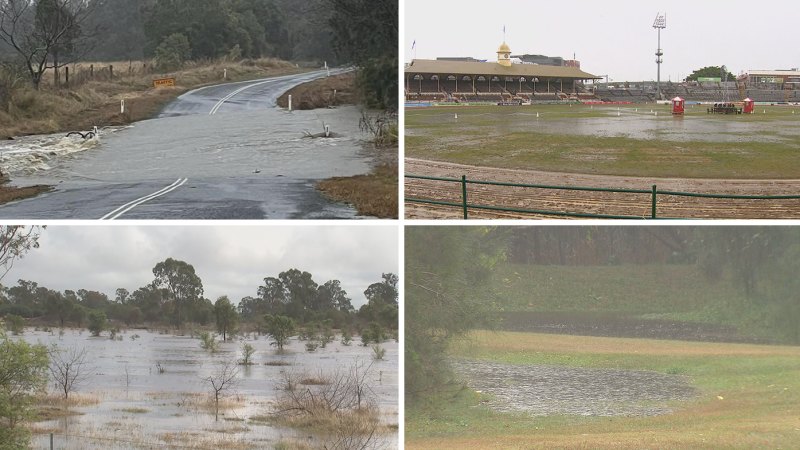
[217, 153]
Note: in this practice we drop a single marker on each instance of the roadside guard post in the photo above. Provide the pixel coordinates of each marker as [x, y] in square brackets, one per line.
[749, 106]
[163, 82]
[678, 106]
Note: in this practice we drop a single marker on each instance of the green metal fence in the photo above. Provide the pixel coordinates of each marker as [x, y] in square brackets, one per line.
[654, 194]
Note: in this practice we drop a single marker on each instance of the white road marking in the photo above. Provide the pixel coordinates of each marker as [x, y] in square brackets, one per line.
[133, 204]
[235, 93]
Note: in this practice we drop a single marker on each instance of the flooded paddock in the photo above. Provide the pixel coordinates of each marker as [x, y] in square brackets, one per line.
[557, 390]
[127, 403]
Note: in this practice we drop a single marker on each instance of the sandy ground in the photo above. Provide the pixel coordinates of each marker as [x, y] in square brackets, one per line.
[591, 202]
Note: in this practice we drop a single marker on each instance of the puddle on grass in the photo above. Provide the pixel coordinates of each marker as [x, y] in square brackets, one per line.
[558, 390]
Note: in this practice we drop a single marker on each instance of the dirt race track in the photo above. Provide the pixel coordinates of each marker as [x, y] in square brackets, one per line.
[616, 204]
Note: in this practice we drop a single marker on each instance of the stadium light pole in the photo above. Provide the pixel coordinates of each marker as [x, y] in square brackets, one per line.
[659, 24]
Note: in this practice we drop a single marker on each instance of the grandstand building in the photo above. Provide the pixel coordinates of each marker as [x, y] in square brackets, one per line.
[501, 81]
[774, 76]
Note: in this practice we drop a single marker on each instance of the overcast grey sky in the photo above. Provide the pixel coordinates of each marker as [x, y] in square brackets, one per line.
[613, 37]
[231, 260]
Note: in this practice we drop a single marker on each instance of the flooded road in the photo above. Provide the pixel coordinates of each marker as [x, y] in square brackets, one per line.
[127, 399]
[556, 390]
[222, 152]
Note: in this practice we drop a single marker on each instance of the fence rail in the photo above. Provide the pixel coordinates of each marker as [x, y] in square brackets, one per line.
[654, 194]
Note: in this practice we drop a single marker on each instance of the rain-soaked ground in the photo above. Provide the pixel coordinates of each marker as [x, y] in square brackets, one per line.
[139, 407]
[556, 390]
[239, 159]
[639, 122]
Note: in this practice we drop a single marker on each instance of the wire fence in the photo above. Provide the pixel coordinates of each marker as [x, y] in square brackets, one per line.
[464, 199]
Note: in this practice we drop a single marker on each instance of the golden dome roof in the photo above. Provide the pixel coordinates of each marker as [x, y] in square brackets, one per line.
[504, 48]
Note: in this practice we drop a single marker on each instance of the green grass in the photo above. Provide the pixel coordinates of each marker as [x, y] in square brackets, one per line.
[748, 397]
[636, 289]
[764, 146]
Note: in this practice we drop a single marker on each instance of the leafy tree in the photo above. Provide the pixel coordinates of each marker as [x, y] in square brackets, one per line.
[301, 292]
[365, 33]
[97, 322]
[384, 292]
[331, 296]
[122, 296]
[173, 52]
[181, 282]
[711, 72]
[15, 323]
[226, 316]
[447, 293]
[15, 241]
[279, 328]
[23, 374]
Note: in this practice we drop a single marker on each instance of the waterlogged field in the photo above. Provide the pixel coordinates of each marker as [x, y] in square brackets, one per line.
[626, 140]
[530, 390]
[128, 403]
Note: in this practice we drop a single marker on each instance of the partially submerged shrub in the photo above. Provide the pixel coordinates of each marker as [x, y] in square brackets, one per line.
[340, 406]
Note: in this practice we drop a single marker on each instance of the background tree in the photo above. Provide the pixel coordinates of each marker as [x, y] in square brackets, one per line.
[180, 280]
[42, 31]
[226, 316]
[448, 292]
[97, 322]
[280, 329]
[711, 72]
[365, 33]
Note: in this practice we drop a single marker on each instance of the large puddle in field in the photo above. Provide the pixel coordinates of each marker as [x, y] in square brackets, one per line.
[557, 390]
[127, 403]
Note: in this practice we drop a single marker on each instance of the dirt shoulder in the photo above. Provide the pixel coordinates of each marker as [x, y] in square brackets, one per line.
[323, 93]
[374, 194]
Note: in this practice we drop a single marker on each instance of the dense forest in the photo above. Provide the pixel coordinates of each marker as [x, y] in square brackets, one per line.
[175, 299]
[39, 35]
[456, 277]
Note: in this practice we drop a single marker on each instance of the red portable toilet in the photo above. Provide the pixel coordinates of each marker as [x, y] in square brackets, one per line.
[749, 106]
[678, 106]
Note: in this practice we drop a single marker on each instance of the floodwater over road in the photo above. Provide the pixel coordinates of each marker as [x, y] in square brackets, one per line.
[148, 409]
[247, 160]
[556, 390]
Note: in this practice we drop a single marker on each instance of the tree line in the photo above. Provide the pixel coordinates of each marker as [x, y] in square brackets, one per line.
[42, 35]
[175, 297]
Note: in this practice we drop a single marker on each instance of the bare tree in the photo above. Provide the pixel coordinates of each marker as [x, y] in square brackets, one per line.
[46, 34]
[222, 381]
[15, 241]
[69, 369]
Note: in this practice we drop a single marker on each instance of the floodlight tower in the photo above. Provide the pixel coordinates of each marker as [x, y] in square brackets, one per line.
[659, 24]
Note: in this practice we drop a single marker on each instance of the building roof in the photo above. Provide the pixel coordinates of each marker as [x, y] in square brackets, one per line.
[429, 66]
[504, 48]
[774, 73]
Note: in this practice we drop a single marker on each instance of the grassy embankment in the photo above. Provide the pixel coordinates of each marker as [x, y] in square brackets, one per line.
[749, 397]
[87, 103]
[698, 145]
[678, 292]
[374, 194]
